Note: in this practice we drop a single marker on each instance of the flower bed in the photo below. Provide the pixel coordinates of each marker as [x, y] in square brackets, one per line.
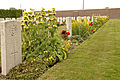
[43, 46]
[81, 29]
[40, 40]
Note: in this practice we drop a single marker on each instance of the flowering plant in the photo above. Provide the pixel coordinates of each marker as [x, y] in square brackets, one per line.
[58, 24]
[90, 24]
[84, 28]
[65, 34]
[62, 24]
[40, 39]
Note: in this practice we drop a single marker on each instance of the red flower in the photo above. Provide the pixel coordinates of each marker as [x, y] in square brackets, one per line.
[63, 32]
[68, 33]
[65, 36]
[92, 30]
[90, 24]
[63, 22]
[58, 22]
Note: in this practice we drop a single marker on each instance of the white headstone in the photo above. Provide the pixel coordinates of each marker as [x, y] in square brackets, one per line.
[60, 20]
[57, 19]
[13, 19]
[88, 18]
[1, 19]
[82, 17]
[72, 18]
[78, 18]
[8, 19]
[85, 17]
[64, 18]
[69, 25]
[11, 54]
[92, 18]
[19, 19]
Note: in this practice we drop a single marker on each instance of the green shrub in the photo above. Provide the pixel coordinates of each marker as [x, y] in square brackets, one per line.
[10, 13]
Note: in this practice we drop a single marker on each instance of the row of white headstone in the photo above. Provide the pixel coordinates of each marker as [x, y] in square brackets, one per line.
[11, 54]
[69, 22]
[10, 32]
[62, 19]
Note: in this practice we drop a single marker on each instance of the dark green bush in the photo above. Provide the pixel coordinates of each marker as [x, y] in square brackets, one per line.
[10, 13]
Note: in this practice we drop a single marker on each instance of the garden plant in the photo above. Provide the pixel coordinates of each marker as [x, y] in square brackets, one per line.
[81, 29]
[43, 45]
[40, 38]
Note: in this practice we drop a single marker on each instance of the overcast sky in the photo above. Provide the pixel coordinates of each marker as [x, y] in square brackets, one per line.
[59, 4]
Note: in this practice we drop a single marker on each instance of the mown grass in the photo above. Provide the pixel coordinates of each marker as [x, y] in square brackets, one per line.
[98, 58]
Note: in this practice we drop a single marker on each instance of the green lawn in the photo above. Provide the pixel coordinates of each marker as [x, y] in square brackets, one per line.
[98, 58]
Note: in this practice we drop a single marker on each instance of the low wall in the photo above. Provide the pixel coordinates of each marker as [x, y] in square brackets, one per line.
[113, 13]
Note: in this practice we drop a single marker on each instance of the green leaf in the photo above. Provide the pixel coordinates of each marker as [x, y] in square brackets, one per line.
[60, 57]
[65, 55]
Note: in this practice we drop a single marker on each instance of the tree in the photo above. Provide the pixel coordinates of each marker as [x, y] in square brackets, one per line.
[12, 8]
[106, 7]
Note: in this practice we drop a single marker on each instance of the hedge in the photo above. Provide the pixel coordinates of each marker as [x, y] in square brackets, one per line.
[10, 13]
